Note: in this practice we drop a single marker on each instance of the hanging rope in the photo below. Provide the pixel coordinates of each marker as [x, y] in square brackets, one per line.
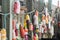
[4, 23]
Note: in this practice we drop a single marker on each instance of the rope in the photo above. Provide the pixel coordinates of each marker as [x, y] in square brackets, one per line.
[4, 21]
[4, 14]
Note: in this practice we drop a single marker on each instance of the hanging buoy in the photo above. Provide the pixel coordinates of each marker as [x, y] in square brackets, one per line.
[26, 37]
[3, 34]
[0, 35]
[37, 30]
[46, 18]
[27, 17]
[16, 32]
[43, 17]
[22, 32]
[17, 25]
[14, 24]
[45, 30]
[36, 13]
[27, 20]
[34, 37]
[13, 36]
[36, 19]
[17, 28]
[52, 30]
[31, 27]
[52, 20]
[26, 30]
[25, 25]
[16, 7]
[26, 34]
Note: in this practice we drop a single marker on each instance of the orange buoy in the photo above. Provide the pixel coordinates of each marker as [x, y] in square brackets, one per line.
[26, 30]
[34, 37]
[43, 17]
[22, 32]
[46, 18]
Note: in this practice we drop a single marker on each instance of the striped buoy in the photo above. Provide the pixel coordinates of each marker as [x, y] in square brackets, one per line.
[14, 33]
[3, 34]
[16, 7]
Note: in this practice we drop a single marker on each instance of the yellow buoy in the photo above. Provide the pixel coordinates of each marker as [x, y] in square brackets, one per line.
[3, 34]
[27, 17]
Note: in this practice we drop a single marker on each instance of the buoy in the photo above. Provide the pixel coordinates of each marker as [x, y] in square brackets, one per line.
[17, 25]
[26, 37]
[22, 32]
[46, 18]
[31, 27]
[27, 20]
[26, 30]
[43, 17]
[14, 24]
[3, 34]
[37, 30]
[26, 34]
[53, 20]
[16, 32]
[17, 28]
[34, 37]
[45, 30]
[16, 7]
[27, 17]
[25, 24]
[35, 18]
[0, 35]
[36, 13]
[13, 35]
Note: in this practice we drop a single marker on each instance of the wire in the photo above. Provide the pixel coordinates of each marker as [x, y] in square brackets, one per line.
[4, 14]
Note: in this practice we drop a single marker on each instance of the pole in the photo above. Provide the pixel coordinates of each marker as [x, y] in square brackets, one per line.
[11, 2]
